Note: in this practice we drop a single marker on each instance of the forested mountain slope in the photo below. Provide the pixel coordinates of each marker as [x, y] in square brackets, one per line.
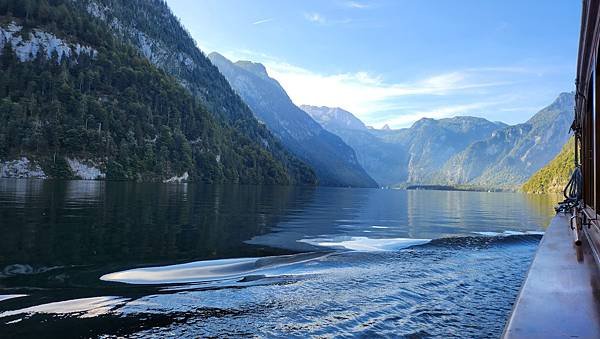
[151, 27]
[74, 96]
[459, 151]
[430, 143]
[511, 155]
[334, 162]
[553, 177]
[409, 155]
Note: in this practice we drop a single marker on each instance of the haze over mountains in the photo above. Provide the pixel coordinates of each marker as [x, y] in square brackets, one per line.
[334, 162]
[465, 151]
[429, 143]
[385, 161]
[458, 151]
[513, 154]
[118, 89]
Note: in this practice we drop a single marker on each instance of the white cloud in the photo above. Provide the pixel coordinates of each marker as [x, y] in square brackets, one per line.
[406, 120]
[361, 92]
[358, 5]
[263, 21]
[315, 17]
[399, 104]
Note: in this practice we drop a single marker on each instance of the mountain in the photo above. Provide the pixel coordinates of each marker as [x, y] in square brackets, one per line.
[333, 161]
[334, 118]
[553, 177]
[80, 98]
[459, 151]
[430, 143]
[408, 155]
[171, 48]
[385, 162]
[511, 155]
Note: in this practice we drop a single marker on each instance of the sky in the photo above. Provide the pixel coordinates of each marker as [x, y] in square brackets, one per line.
[396, 61]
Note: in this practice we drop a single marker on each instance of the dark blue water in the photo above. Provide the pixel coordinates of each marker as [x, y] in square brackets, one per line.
[96, 259]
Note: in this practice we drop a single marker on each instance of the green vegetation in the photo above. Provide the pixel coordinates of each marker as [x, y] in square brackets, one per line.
[119, 110]
[555, 175]
[151, 27]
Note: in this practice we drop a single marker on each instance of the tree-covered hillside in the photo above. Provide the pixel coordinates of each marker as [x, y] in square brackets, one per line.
[553, 177]
[70, 89]
[151, 27]
[511, 155]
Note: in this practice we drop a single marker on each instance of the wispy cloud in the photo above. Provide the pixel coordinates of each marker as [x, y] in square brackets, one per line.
[364, 93]
[440, 112]
[356, 4]
[263, 21]
[469, 91]
[315, 17]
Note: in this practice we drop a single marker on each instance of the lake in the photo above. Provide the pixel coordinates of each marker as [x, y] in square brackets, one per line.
[94, 258]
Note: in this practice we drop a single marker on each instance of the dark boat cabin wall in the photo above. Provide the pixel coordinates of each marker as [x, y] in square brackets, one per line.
[587, 118]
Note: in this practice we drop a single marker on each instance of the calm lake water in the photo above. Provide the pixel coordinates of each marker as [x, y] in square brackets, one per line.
[90, 259]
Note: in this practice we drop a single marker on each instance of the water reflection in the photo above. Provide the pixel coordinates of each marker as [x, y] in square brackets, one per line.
[52, 223]
[48, 224]
[114, 258]
[339, 215]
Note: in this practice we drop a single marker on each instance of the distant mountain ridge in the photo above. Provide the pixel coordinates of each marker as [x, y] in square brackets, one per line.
[511, 155]
[458, 151]
[430, 143]
[334, 118]
[384, 161]
[334, 162]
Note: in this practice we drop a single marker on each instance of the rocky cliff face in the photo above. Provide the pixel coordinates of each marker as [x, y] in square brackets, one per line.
[333, 161]
[38, 41]
[512, 154]
[158, 35]
[430, 143]
[334, 118]
[385, 161]
[466, 151]
[95, 89]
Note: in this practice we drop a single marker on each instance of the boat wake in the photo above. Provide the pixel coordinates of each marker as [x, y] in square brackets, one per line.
[416, 280]
[244, 270]
[209, 270]
[365, 244]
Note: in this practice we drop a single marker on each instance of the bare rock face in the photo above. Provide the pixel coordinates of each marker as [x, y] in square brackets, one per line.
[86, 170]
[40, 42]
[512, 154]
[334, 162]
[21, 168]
[454, 151]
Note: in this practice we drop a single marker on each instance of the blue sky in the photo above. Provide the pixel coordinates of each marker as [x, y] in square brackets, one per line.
[395, 61]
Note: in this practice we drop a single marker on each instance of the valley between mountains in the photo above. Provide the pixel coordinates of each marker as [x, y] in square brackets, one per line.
[119, 90]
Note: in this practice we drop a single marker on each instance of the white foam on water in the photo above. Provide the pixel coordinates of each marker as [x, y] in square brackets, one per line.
[188, 272]
[11, 296]
[364, 244]
[380, 227]
[208, 270]
[509, 233]
[84, 307]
